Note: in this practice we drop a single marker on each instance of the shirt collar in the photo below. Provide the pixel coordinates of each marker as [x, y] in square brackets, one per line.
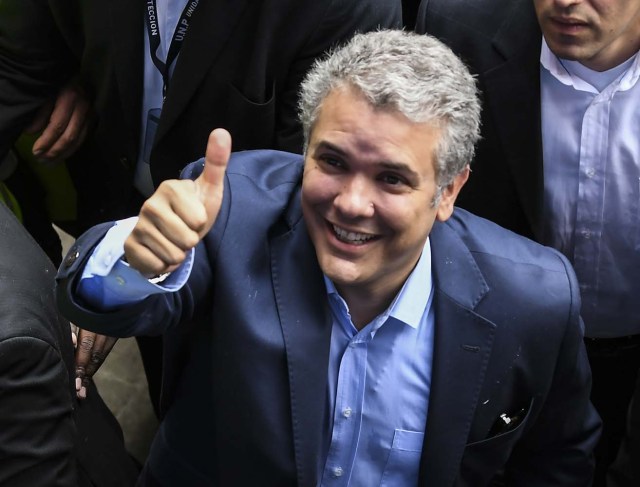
[555, 66]
[410, 304]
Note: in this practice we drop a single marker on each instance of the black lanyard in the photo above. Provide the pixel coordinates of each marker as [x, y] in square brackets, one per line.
[176, 42]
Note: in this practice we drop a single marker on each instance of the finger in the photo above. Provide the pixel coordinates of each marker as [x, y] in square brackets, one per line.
[83, 357]
[72, 136]
[175, 212]
[155, 246]
[165, 250]
[144, 260]
[86, 340]
[95, 359]
[210, 183]
[101, 350]
[74, 334]
[58, 122]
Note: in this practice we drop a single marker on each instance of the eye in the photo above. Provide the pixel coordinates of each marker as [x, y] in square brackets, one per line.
[393, 179]
[331, 161]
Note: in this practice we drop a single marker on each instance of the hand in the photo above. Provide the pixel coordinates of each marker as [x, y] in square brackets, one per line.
[64, 124]
[176, 217]
[91, 351]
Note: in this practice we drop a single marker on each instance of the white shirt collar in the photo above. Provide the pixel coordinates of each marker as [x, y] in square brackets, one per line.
[558, 70]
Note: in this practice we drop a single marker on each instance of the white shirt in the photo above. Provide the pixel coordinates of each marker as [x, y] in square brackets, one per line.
[591, 152]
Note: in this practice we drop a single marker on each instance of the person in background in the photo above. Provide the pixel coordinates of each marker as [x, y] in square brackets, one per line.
[559, 159]
[46, 436]
[332, 319]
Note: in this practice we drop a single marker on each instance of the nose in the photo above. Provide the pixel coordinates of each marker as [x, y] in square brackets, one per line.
[355, 199]
[565, 3]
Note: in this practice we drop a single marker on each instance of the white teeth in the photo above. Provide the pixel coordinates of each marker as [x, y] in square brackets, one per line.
[351, 237]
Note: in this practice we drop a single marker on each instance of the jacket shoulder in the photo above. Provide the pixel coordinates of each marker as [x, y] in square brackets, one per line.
[487, 240]
[265, 169]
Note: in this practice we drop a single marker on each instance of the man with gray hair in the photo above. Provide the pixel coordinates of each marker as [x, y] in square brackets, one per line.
[332, 319]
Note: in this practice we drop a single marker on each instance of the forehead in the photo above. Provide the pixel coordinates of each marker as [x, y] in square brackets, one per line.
[347, 121]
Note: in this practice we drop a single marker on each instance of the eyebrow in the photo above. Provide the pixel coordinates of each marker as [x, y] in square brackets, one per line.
[390, 165]
[400, 167]
[328, 145]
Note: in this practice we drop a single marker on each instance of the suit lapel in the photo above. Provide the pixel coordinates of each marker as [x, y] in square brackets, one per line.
[213, 22]
[306, 327]
[127, 31]
[513, 95]
[463, 343]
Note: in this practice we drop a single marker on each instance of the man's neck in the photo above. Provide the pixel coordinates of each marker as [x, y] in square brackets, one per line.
[604, 63]
[365, 304]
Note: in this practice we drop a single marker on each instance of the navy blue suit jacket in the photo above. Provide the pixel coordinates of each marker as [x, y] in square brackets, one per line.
[248, 343]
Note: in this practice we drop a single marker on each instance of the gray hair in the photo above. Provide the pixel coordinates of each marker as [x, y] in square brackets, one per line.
[416, 75]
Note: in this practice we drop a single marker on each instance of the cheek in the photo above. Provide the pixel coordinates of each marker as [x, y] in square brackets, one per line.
[317, 189]
[406, 220]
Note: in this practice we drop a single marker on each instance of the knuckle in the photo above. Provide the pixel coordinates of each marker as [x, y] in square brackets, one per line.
[150, 207]
[97, 358]
[190, 241]
[176, 258]
[58, 128]
[86, 343]
[67, 139]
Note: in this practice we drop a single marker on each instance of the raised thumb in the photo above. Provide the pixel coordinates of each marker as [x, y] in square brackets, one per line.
[211, 180]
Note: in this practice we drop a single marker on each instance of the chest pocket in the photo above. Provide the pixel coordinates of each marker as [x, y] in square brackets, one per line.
[404, 459]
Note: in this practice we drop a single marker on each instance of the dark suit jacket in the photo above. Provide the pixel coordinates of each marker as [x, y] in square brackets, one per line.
[46, 437]
[249, 334]
[500, 41]
[239, 68]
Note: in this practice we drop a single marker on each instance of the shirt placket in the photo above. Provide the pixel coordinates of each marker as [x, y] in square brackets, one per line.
[348, 409]
[591, 194]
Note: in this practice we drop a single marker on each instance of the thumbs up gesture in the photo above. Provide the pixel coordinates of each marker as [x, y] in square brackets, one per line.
[176, 217]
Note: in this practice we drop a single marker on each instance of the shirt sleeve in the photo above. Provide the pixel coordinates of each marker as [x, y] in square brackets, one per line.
[108, 282]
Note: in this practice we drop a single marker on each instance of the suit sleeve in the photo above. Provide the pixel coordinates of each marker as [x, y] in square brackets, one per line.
[151, 316]
[37, 430]
[558, 450]
[342, 19]
[34, 62]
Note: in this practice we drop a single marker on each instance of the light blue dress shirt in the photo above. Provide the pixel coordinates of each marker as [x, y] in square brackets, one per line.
[378, 387]
[378, 380]
[591, 151]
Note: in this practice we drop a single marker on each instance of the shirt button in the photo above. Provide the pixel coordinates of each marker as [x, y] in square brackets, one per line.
[346, 412]
[337, 472]
[586, 234]
[591, 172]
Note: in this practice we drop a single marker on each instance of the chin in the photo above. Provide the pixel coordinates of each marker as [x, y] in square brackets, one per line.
[340, 272]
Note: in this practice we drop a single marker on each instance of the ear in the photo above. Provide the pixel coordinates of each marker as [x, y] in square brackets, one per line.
[449, 195]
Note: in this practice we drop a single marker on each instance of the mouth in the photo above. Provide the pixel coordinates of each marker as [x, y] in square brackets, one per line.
[568, 24]
[353, 238]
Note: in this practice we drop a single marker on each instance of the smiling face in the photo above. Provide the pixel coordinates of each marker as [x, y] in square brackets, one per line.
[600, 34]
[368, 188]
